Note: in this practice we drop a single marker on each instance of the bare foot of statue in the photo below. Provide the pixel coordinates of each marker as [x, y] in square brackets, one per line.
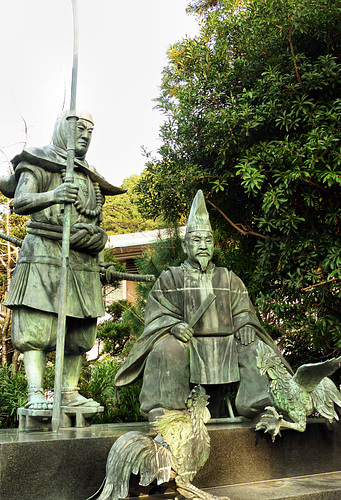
[37, 401]
[74, 399]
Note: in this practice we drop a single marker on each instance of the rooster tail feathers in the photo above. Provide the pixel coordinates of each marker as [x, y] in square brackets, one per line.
[134, 453]
[156, 464]
[107, 490]
[119, 468]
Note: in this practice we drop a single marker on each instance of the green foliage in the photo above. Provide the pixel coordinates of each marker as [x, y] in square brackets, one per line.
[120, 405]
[166, 251]
[96, 381]
[17, 223]
[115, 333]
[15, 226]
[120, 213]
[13, 395]
[252, 108]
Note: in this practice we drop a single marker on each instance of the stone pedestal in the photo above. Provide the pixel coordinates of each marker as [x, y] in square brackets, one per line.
[41, 420]
[70, 464]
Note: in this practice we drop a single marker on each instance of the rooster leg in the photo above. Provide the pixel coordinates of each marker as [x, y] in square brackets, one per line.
[271, 423]
[296, 426]
[188, 490]
[299, 426]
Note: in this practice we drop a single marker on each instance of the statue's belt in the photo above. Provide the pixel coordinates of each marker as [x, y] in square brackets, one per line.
[45, 230]
[53, 261]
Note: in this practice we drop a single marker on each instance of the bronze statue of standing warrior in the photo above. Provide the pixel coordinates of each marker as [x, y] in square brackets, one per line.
[38, 190]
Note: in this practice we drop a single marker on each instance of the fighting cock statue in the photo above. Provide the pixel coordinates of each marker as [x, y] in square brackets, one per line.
[297, 396]
[174, 456]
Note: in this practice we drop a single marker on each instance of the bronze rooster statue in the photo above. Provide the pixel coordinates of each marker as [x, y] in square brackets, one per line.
[297, 396]
[180, 449]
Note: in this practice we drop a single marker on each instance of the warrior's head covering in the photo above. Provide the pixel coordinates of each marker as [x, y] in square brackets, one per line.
[53, 158]
[60, 131]
[198, 219]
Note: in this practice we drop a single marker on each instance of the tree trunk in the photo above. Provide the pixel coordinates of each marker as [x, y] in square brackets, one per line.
[6, 352]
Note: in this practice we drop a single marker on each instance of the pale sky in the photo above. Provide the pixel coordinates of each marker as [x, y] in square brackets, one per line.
[122, 51]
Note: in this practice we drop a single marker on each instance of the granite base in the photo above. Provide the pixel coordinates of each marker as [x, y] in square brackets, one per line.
[70, 464]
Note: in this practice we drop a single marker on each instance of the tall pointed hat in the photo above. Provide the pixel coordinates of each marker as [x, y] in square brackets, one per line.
[198, 219]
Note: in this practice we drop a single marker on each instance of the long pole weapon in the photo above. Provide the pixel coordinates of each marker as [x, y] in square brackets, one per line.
[61, 325]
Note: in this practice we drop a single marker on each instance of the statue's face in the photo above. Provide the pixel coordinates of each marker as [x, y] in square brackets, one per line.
[199, 246]
[83, 137]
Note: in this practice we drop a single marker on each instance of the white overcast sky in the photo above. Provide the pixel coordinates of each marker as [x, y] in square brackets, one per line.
[122, 51]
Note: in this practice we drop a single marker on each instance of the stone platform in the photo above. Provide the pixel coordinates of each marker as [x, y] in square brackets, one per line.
[41, 420]
[316, 487]
[70, 465]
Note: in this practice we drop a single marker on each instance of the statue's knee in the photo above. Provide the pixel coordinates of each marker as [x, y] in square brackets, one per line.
[251, 399]
[171, 347]
[33, 330]
[80, 335]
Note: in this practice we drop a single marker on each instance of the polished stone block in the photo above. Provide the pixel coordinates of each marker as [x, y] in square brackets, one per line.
[240, 455]
[315, 487]
[70, 465]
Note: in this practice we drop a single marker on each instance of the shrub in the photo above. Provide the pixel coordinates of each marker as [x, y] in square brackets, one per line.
[13, 395]
[120, 405]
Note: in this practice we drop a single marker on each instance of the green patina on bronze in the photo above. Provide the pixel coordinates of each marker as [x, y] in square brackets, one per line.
[173, 458]
[39, 190]
[220, 348]
[296, 397]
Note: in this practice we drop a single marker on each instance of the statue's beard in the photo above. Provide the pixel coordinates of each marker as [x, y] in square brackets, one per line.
[203, 262]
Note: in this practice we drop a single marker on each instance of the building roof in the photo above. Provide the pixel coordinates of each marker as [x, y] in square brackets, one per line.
[131, 245]
[141, 238]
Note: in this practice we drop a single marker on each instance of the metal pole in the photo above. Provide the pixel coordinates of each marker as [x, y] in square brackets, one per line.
[61, 326]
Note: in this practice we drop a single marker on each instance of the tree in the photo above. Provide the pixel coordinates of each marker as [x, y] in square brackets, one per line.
[120, 213]
[11, 225]
[252, 107]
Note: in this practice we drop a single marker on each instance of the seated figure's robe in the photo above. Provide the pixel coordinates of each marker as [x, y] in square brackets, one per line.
[213, 356]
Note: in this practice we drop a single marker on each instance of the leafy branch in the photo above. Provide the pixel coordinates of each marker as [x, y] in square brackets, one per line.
[241, 230]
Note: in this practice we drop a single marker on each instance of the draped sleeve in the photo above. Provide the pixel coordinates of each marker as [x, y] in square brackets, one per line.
[164, 310]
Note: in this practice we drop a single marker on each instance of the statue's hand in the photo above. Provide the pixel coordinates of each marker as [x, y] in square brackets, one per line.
[65, 193]
[246, 335]
[182, 332]
[87, 238]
